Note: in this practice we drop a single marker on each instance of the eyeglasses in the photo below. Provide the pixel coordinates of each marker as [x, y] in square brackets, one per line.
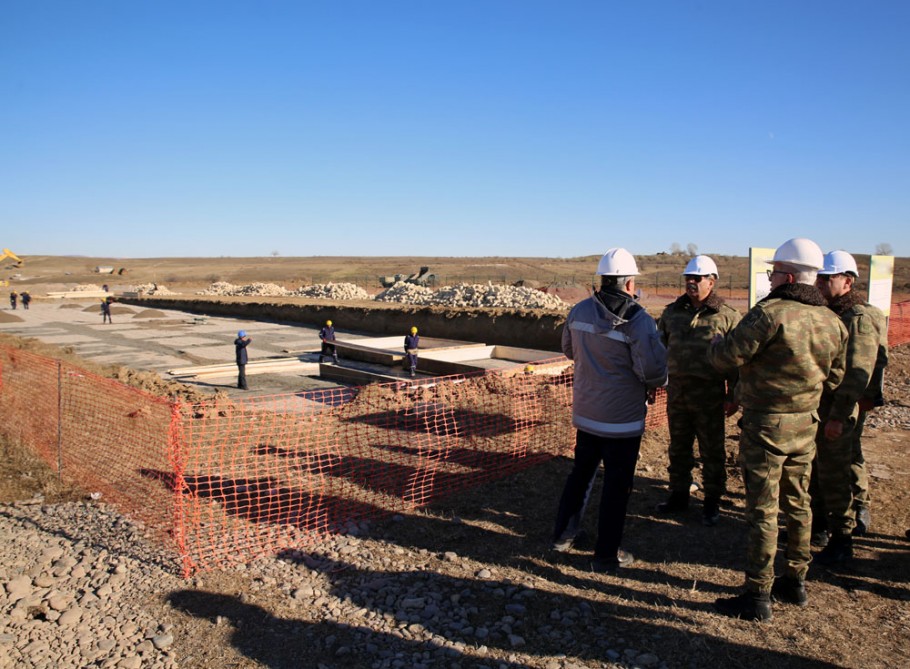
[696, 277]
[772, 272]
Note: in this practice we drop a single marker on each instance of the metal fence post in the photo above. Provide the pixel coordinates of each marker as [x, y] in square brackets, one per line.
[59, 420]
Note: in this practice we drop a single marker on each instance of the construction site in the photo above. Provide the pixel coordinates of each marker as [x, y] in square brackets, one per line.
[338, 494]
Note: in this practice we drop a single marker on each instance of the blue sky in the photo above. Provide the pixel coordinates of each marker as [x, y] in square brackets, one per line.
[452, 128]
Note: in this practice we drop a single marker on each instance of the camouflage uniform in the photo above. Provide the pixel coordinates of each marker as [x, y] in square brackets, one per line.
[866, 327]
[788, 348]
[873, 393]
[696, 391]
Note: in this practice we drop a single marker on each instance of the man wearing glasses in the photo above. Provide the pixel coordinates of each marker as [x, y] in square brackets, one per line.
[840, 473]
[698, 396]
[788, 348]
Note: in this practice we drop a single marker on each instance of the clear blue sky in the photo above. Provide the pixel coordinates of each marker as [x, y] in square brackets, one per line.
[461, 127]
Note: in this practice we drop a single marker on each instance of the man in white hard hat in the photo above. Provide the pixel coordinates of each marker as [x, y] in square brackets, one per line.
[843, 411]
[698, 396]
[619, 362]
[788, 348]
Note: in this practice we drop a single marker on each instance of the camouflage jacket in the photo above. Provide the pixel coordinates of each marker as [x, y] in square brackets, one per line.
[867, 354]
[686, 331]
[788, 348]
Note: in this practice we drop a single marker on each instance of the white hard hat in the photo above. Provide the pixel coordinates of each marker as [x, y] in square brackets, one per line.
[702, 265]
[617, 262]
[839, 262]
[800, 251]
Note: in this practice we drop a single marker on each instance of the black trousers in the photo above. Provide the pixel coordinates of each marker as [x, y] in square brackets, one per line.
[619, 457]
[241, 376]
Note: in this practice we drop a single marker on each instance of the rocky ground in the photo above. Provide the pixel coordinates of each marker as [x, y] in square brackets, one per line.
[468, 582]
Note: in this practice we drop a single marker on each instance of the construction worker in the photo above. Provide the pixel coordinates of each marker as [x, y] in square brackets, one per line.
[240, 344]
[327, 337]
[106, 310]
[619, 363]
[788, 348]
[26, 299]
[698, 396]
[13, 297]
[841, 428]
[411, 344]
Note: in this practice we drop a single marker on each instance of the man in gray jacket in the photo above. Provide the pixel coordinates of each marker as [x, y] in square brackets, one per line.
[619, 363]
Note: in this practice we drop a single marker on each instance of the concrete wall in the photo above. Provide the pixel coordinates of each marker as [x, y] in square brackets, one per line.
[526, 329]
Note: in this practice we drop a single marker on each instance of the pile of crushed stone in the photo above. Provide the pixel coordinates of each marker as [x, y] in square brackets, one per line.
[465, 295]
[85, 287]
[322, 291]
[6, 317]
[152, 289]
[462, 295]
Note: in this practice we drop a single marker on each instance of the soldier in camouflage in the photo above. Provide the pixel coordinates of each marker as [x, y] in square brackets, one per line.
[698, 396]
[840, 409]
[788, 348]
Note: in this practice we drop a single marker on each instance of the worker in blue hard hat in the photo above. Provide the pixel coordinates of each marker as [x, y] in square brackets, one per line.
[240, 344]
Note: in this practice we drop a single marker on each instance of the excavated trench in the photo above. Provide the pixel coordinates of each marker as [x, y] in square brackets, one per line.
[525, 328]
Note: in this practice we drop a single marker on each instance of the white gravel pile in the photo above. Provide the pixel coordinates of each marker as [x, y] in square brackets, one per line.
[225, 289]
[152, 289]
[465, 295]
[86, 287]
[333, 291]
[407, 293]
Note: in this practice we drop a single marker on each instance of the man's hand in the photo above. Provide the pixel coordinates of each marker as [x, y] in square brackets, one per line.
[652, 395]
[730, 408]
[834, 429]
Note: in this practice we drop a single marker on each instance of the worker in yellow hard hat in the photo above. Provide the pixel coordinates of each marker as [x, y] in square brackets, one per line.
[327, 337]
[411, 344]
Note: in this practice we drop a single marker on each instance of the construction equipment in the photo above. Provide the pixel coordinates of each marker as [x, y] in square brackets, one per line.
[12, 256]
[422, 278]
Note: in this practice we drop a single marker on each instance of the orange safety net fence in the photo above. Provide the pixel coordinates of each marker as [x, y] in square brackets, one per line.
[899, 324]
[229, 481]
[93, 431]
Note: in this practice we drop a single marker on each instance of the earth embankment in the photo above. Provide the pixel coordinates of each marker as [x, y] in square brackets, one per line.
[526, 328]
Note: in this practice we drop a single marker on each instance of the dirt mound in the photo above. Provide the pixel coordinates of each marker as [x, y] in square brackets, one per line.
[6, 317]
[122, 310]
[150, 313]
[71, 306]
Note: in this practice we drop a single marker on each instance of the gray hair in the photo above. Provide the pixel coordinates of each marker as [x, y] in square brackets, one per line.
[614, 281]
[801, 273]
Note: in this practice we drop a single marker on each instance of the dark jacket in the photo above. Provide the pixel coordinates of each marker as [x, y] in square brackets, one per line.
[240, 346]
[411, 342]
[327, 333]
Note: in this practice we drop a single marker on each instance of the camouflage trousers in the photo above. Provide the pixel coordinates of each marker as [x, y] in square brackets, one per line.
[859, 476]
[832, 484]
[695, 408]
[776, 451]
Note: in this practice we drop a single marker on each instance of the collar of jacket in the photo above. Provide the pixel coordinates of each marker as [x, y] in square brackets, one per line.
[619, 303]
[798, 292]
[845, 302]
[713, 302]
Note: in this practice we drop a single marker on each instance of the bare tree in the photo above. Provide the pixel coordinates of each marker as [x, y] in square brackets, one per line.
[692, 249]
[883, 249]
[676, 249]
[275, 254]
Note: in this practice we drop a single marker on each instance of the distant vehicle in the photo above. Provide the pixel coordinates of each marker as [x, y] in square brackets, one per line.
[422, 278]
[101, 269]
[12, 256]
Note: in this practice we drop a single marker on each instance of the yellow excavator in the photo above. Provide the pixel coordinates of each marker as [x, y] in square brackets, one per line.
[12, 256]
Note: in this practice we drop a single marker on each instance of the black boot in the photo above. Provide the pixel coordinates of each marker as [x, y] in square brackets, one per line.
[710, 511]
[748, 606]
[790, 590]
[610, 566]
[676, 502]
[838, 550]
